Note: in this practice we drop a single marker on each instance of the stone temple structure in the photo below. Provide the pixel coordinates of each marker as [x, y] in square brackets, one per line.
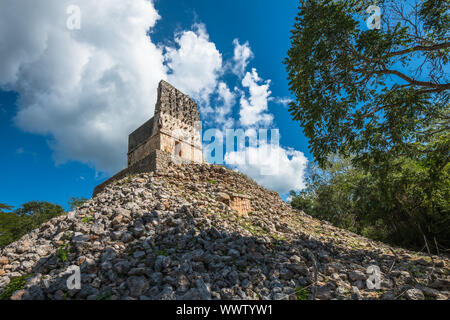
[174, 129]
[172, 134]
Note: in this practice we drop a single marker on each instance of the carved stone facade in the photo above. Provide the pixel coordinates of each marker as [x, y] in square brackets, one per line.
[239, 202]
[175, 128]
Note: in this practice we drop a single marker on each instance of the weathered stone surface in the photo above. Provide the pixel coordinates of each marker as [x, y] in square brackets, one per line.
[175, 128]
[153, 237]
[241, 204]
[414, 294]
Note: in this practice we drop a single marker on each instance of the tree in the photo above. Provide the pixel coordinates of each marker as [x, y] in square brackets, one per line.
[4, 206]
[75, 202]
[372, 93]
[5, 221]
[13, 225]
[392, 206]
[379, 99]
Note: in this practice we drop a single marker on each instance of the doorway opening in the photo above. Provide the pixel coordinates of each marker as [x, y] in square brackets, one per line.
[178, 151]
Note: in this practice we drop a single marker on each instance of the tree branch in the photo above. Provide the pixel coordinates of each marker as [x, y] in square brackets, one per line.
[413, 81]
[438, 46]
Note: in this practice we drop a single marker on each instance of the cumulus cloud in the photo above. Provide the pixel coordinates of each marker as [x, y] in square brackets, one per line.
[21, 151]
[242, 55]
[283, 101]
[225, 102]
[85, 89]
[195, 65]
[272, 166]
[254, 108]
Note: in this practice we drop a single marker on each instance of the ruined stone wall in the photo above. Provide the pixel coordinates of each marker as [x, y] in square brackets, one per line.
[172, 135]
[180, 148]
[175, 128]
[144, 149]
[176, 104]
[238, 202]
[181, 131]
[241, 204]
[140, 135]
[184, 143]
[179, 124]
[156, 161]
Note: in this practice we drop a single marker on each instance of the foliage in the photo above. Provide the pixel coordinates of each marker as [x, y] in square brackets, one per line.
[62, 253]
[106, 295]
[370, 92]
[301, 293]
[13, 286]
[87, 219]
[400, 204]
[163, 252]
[15, 224]
[76, 202]
[377, 99]
[4, 206]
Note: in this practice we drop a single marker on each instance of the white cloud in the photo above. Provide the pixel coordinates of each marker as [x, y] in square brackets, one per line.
[195, 65]
[254, 108]
[283, 101]
[241, 57]
[272, 166]
[225, 103]
[21, 151]
[86, 89]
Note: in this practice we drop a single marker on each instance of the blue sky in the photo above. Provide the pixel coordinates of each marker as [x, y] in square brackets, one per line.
[40, 162]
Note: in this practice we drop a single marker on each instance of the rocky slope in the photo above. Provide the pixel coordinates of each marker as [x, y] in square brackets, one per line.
[168, 235]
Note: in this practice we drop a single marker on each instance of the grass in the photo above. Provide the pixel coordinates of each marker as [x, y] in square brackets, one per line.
[162, 252]
[252, 229]
[301, 293]
[62, 253]
[106, 295]
[278, 238]
[67, 236]
[355, 245]
[416, 272]
[13, 286]
[87, 219]
[212, 181]
[241, 268]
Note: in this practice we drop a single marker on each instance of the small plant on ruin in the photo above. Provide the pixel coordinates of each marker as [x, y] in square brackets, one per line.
[62, 253]
[13, 286]
[87, 219]
[301, 293]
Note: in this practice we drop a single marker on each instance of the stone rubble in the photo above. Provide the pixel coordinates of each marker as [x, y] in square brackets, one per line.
[170, 235]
